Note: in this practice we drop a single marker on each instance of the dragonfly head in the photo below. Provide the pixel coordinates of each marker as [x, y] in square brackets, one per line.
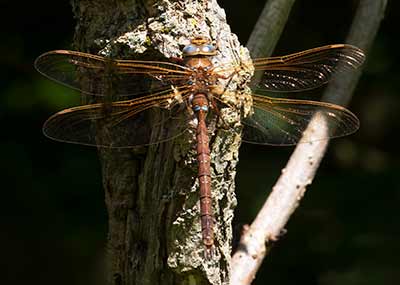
[199, 46]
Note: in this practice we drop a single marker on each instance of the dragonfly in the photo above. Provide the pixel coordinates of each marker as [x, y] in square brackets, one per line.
[186, 91]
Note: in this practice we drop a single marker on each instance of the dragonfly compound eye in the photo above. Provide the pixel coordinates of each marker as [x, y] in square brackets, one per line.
[208, 49]
[190, 50]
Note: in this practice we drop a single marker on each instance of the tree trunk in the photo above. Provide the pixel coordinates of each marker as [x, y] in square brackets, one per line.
[152, 192]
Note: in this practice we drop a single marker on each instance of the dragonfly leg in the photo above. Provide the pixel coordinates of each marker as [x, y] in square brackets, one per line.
[215, 108]
[177, 60]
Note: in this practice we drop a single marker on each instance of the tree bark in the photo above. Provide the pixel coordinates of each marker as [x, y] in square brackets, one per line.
[151, 192]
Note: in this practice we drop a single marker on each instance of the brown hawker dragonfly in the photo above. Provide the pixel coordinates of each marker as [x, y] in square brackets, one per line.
[186, 92]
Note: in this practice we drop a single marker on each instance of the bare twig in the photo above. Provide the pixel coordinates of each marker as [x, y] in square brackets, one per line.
[303, 164]
[269, 27]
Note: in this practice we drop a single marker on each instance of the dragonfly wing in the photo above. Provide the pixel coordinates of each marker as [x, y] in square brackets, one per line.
[283, 121]
[305, 70]
[117, 125]
[97, 75]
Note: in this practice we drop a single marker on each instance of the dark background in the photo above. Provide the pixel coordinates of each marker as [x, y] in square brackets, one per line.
[53, 218]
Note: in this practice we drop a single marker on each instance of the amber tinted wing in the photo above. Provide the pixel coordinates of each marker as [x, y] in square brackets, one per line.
[283, 121]
[305, 70]
[121, 124]
[96, 75]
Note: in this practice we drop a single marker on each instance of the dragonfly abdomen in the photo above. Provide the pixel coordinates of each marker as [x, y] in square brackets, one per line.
[200, 107]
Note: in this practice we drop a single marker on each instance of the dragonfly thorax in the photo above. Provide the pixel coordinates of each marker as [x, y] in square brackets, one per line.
[197, 56]
[202, 76]
[198, 62]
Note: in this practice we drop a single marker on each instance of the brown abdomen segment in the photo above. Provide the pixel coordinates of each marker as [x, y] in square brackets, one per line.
[200, 106]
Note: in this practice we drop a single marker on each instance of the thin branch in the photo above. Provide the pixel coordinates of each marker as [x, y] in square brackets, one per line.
[271, 23]
[362, 34]
[303, 164]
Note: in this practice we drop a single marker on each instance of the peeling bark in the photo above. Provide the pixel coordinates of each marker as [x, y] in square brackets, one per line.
[152, 193]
